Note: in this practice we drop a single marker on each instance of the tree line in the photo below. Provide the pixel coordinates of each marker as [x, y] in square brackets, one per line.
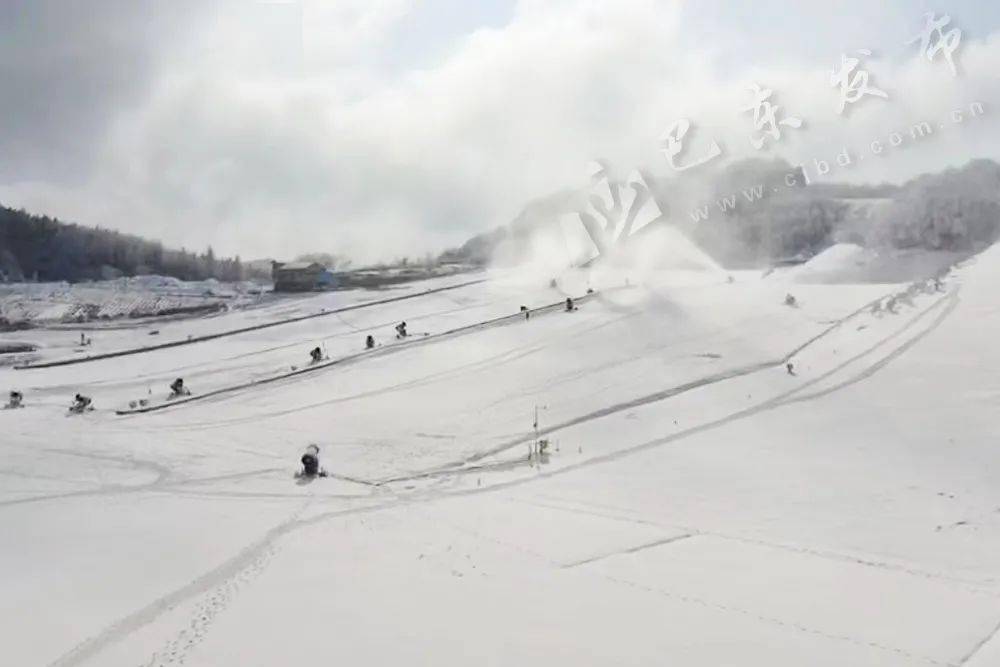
[41, 248]
[955, 210]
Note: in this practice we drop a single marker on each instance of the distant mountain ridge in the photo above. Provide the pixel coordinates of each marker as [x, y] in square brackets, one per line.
[35, 247]
[955, 210]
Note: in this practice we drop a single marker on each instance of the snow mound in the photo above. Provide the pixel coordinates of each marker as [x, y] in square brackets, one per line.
[838, 258]
[850, 263]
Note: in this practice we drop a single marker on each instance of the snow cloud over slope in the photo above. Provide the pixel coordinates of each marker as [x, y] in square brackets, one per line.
[274, 128]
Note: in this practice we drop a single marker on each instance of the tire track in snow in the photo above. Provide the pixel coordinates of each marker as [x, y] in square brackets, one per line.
[628, 515]
[767, 405]
[630, 550]
[504, 357]
[456, 466]
[162, 472]
[176, 650]
[879, 365]
[453, 468]
[602, 412]
[129, 463]
[131, 381]
[979, 646]
[234, 332]
[772, 620]
[581, 372]
[248, 562]
[513, 354]
[158, 485]
[703, 602]
[129, 624]
[123, 627]
[367, 354]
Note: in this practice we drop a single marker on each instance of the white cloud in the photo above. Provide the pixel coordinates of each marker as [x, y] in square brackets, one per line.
[334, 155]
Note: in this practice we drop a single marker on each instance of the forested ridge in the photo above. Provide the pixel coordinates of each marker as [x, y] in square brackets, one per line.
[38, 247]
[955, 210]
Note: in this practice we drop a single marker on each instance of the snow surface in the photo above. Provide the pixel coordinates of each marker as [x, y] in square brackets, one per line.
[698, 504]
[108, 301]
[850, 263]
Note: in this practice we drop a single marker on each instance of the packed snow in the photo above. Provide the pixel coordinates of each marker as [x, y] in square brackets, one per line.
[847, 263]
[725, 479]
[103, 303]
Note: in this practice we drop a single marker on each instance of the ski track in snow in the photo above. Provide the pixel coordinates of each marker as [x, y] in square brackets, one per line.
[176, 650]
[967, 658]
[212, 364]
[234, 332]
[724, 608]
[160, 484]
[952, 303]
[693, 600]
[226, 579]
[162, 472]
[456, 466]
[516, 353]
[972, 586]
[770, 404]
[629, 550]
[401, 346]
[771, 620]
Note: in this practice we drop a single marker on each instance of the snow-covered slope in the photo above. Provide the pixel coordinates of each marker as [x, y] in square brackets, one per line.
[111, 302]
[846, 263]
[700, 502]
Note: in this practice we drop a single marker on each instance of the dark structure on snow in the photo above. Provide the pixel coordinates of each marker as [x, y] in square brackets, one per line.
[301, 277]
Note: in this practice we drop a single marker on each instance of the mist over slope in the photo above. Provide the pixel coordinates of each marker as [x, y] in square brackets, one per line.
[756, 213]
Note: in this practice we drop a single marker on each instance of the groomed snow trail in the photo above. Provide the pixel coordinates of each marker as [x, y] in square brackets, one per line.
[693, 489]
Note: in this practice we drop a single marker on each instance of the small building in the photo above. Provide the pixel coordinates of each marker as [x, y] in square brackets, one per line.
[301, 277]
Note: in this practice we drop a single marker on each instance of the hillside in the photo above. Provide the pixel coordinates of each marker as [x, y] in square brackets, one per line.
[697, 498]
[955, 211]
[44, 249]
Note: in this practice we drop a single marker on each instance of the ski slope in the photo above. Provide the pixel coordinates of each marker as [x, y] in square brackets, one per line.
[698, 503]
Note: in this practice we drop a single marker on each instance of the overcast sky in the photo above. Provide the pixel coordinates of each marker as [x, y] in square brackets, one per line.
[397, 127]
